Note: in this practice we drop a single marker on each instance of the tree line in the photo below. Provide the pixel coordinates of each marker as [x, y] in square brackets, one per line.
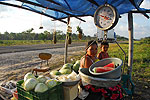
[46, 35]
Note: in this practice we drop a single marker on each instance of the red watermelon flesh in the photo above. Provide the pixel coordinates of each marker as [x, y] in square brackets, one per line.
[112, 65]
[102, 69]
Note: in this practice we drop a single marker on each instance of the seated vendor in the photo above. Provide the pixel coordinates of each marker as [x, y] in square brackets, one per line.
[90, 56]
[91, 92]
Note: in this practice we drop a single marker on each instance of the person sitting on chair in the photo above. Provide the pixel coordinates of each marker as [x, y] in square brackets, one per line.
[90, 56]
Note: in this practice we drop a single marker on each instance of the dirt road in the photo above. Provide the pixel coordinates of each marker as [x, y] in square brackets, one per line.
[15, 65]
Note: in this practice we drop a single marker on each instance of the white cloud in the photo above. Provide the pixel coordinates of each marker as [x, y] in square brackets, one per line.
[141, 30]
[145, 4]
[3, 8]
[18, 20]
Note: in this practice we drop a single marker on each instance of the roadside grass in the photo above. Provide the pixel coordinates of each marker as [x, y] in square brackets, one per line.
[141, 59]
[31, 42]
[22, 42]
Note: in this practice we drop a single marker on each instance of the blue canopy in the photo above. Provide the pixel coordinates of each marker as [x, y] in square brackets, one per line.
[60, 9]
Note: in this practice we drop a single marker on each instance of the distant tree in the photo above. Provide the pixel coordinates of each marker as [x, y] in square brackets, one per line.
[1, 36]
[41, 36]
[60, 35]
[36, 37]
[121, 38]
[32, 35]
[145, 40]
[6, 35]
[74, 36]
[12, 36]
[47, 35]
[19, 36]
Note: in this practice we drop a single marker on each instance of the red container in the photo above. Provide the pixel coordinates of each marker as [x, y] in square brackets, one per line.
[15, 94]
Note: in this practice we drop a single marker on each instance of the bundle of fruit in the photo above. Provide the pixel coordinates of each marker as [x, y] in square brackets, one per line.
[39, 84]
[68, 74]
[66, 69]
[39, 88]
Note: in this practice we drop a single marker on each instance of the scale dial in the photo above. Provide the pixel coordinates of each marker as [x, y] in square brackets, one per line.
[106, 17]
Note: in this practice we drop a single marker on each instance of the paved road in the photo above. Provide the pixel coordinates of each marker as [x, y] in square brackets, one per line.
[20, 48]
[10, 55]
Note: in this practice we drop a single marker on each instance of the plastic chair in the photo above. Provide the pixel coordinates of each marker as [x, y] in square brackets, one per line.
[43, 57]
[127, 85]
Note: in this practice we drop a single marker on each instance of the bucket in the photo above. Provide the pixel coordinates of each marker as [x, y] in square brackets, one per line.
[110, 74]
[88, 78]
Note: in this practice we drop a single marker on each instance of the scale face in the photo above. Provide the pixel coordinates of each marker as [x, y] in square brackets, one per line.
[106, 17]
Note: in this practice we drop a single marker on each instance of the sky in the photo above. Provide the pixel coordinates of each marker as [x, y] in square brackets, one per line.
[17, 20]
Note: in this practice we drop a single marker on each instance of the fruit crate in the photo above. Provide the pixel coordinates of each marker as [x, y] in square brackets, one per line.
[55, 93]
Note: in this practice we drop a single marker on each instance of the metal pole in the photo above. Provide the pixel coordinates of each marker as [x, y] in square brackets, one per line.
[66, 43]
[124, 56]
[130, 30]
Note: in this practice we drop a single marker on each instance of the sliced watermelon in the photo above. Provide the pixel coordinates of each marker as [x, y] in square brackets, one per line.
[102, 69]
[112, 65]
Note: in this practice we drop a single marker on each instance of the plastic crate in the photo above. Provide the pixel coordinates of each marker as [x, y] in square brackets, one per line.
[55, 93]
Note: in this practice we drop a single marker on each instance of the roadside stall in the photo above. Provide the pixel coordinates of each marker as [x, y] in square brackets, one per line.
[62, 84]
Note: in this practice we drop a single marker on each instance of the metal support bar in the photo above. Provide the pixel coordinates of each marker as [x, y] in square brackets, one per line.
[124, 57]
[133, 3]
[94, 2]
[32, 3]
[146, 11]
[13, 5]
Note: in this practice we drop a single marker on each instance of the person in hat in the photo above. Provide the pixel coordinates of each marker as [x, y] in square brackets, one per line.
[91, 54]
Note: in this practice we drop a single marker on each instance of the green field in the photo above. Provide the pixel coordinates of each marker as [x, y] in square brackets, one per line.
[141, 59]
[32, 42]
[23, 42]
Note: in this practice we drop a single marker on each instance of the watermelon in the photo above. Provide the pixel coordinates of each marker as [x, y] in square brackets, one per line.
[112, 65]
[102, 69]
